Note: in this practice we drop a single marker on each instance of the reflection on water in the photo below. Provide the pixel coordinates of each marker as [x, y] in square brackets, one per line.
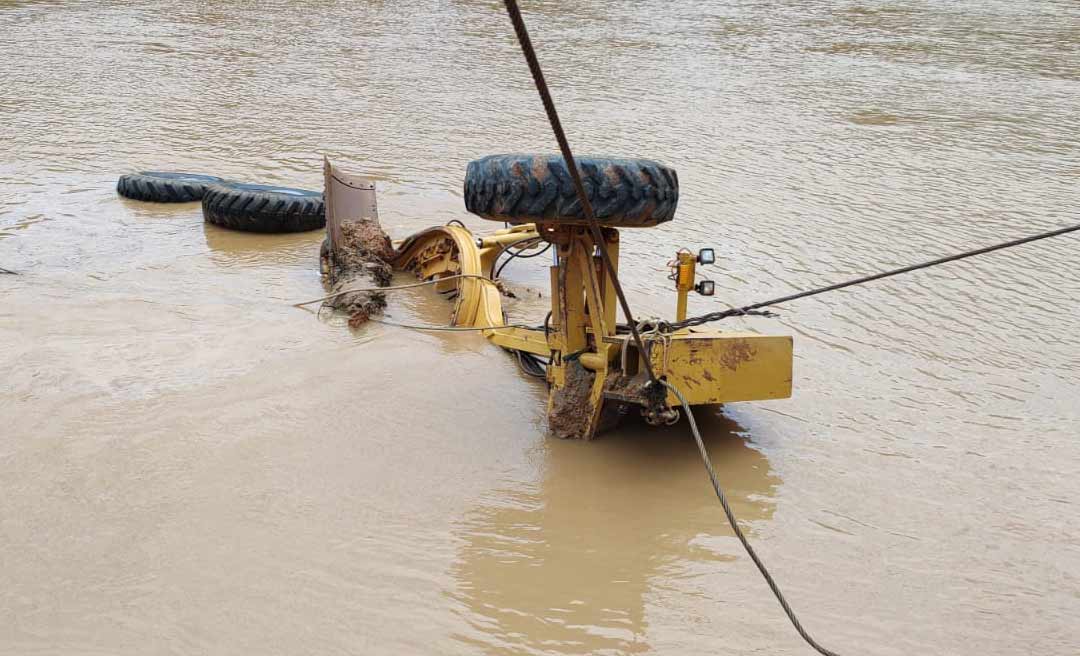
[565, 566]
[230, 248]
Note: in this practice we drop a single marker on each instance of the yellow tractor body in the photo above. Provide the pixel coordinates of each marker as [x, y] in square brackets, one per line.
[594, 369]
[581, 339]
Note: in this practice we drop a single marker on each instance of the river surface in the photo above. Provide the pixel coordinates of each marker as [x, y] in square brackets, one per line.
[188, 465]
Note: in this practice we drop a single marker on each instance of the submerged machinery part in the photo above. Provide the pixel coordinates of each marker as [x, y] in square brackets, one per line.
[594, 370]
[164, 187]
[451, 252]
[263, 208]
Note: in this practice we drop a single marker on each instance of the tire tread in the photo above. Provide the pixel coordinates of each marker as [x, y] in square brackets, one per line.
[153, 188]
[262, 211]
[528, 188]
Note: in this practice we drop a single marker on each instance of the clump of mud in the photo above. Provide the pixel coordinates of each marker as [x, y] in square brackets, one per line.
[363, 260]
[571, 408]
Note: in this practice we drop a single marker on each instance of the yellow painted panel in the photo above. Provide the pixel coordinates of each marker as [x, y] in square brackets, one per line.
[725, 367]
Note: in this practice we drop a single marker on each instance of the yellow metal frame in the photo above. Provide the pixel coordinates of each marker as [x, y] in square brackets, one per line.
[707, 366]
[685, 270]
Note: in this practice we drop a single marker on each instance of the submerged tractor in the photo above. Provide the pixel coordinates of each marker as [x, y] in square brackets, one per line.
[594, 369]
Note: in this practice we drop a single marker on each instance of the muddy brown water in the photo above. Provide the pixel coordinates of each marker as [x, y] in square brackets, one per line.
[190, 465]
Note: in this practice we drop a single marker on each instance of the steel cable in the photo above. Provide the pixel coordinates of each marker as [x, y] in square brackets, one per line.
[571, 164]
[594, 226]
[750, 309]
[354, 290]
[735, 525]
[448, 329]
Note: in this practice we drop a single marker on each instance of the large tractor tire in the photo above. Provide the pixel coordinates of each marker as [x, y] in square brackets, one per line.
[263, 208]
[624, 193]
[161, 187]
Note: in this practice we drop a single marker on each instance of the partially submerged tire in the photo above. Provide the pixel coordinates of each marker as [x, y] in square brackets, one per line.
[263, 208]
[624, 193]
[163, 187]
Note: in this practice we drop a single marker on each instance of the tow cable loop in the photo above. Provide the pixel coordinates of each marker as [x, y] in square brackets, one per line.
[355, 290]
[754, 308]
[571, 165]
[735, 525]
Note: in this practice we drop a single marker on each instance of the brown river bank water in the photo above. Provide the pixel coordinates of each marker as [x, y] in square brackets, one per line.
[190, 465]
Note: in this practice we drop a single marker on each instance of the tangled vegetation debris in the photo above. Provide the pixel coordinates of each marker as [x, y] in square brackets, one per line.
[362, 258]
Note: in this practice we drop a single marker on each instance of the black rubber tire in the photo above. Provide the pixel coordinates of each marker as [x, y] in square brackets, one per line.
[624, 193]
[263, 208]
[162, 187]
